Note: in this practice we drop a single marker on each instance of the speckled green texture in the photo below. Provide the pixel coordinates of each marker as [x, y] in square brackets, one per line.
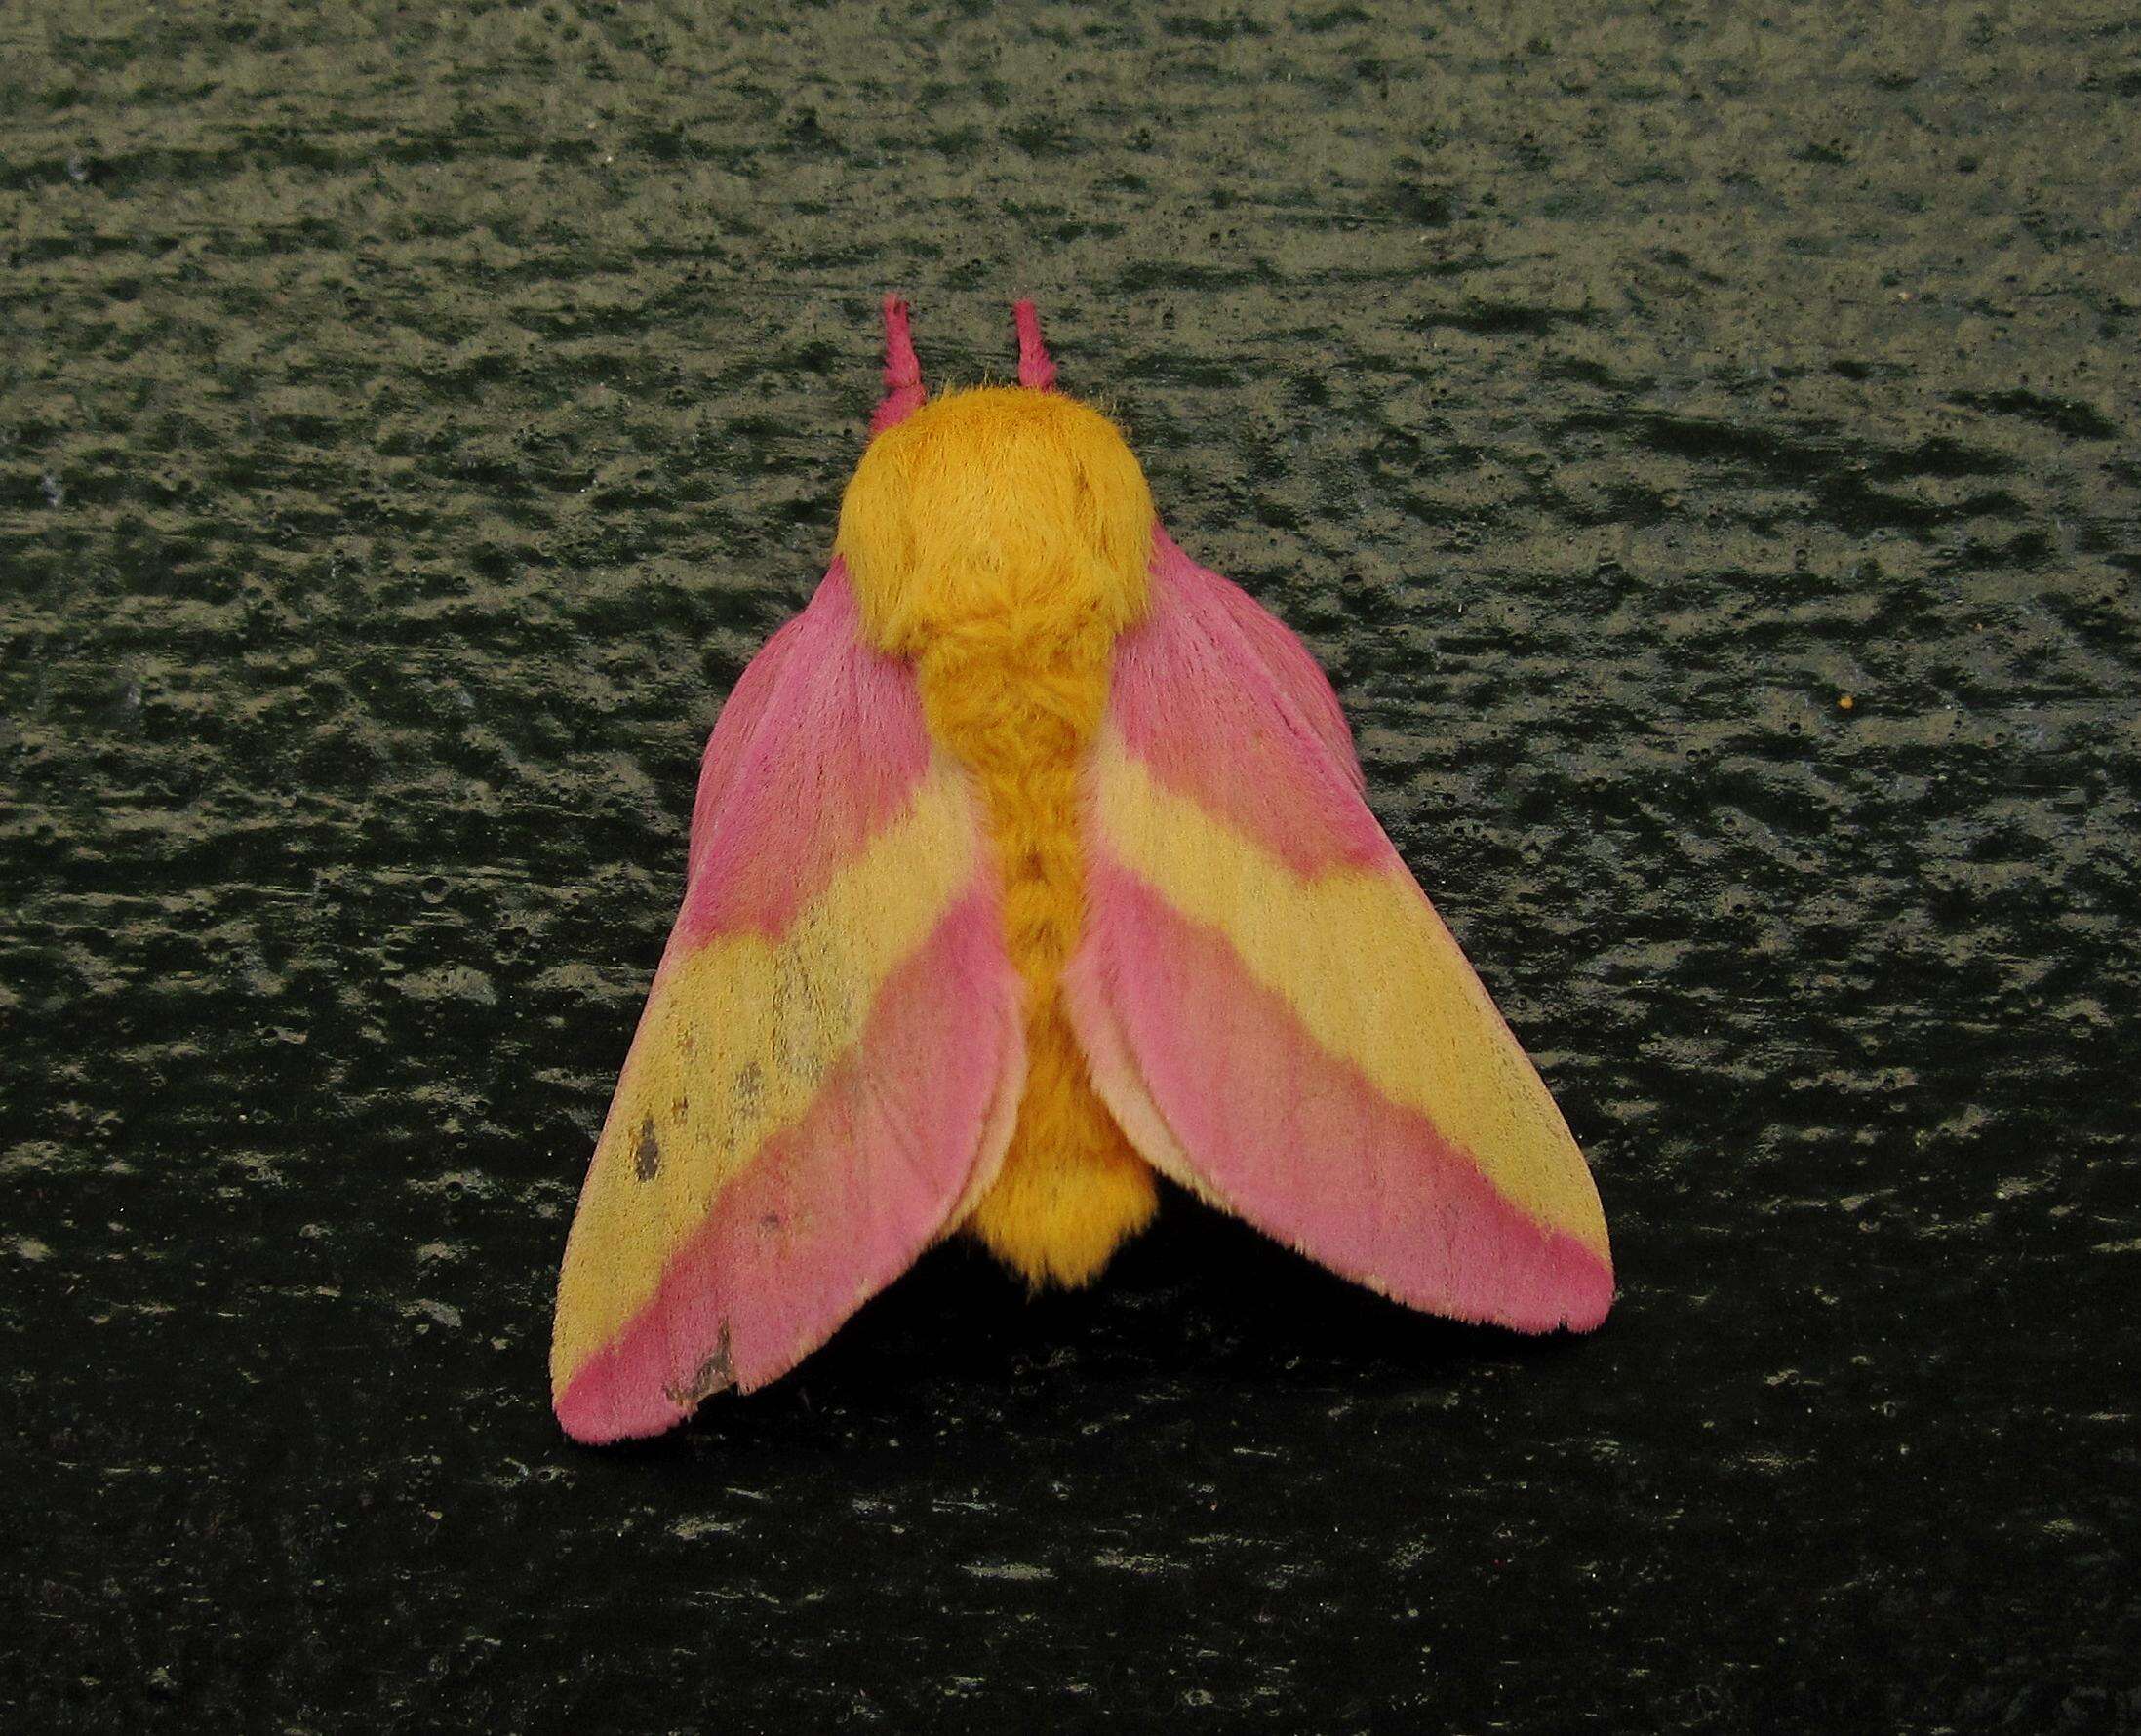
[411, 418]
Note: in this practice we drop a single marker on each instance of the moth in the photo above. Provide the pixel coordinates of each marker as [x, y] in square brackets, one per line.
[1029, 861]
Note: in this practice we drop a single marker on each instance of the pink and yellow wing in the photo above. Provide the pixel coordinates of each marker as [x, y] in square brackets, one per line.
[1274, 1011]
[826, 1070]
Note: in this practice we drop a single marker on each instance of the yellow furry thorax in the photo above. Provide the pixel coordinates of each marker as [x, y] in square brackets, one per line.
[997, 508]
[998, 539]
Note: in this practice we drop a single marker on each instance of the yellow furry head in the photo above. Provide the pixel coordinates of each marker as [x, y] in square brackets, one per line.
[994, 502]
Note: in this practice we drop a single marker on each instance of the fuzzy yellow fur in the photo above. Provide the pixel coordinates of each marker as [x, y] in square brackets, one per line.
[998, 539]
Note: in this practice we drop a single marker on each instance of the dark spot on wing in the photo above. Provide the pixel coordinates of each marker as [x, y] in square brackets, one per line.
[717, 1373]
[646, 1155]
[750, 1086]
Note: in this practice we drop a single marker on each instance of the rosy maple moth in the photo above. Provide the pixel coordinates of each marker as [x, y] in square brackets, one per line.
[1029, 861]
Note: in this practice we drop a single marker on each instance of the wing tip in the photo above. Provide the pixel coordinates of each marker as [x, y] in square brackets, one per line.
[593, 1422]
[1538, 1283]
[606, 1400]
[595, 1410]
[1573, 1293]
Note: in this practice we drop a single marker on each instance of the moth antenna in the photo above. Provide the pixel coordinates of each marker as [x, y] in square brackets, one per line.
[904, 393]
[1035, 369]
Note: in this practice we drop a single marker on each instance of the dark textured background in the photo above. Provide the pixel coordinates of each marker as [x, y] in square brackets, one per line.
[411, 418]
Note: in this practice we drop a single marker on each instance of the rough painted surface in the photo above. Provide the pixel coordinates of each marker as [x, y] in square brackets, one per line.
[407, 429]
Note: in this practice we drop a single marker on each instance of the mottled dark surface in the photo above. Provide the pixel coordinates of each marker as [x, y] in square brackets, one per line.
[1703, 447]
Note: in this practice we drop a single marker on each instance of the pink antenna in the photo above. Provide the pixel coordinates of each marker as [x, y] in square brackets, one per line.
[904, 393]
[1035, 369]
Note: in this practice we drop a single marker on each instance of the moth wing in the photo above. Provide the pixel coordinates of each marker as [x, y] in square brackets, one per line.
[826, 1069]
[1273, 1010]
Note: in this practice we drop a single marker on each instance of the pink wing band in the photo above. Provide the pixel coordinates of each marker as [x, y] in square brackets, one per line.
[737, 727]
[1170, 1016]
[832, 1209]
[784, 800]
[1243, 722]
